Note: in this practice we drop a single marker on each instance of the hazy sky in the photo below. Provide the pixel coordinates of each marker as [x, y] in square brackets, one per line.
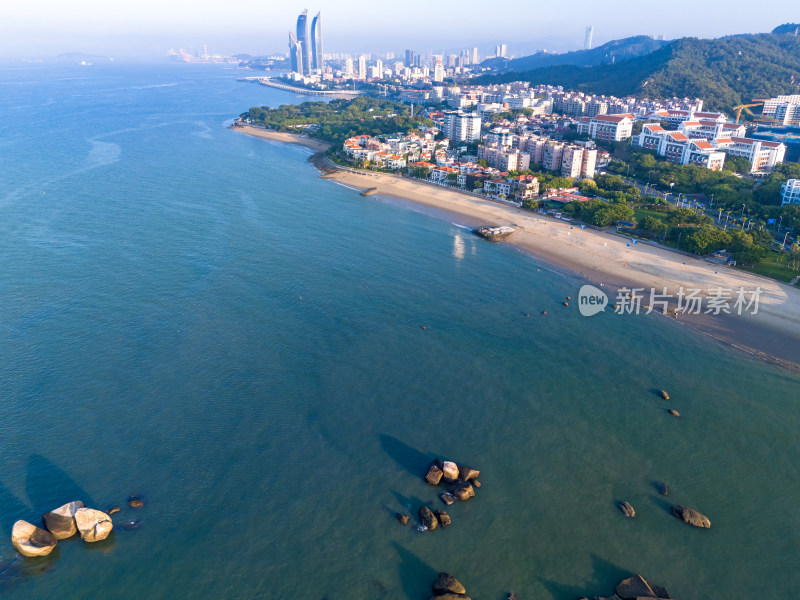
[148, 28]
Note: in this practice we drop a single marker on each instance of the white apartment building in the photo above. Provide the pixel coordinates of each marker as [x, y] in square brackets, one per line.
[676, 147]
[790, 192]
[607, 128]
[462, 127]
[771, 106]
[711, 130]
[571, 161]
[762, 155]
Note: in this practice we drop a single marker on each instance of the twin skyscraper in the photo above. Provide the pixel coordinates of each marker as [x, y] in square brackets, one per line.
[305, 50]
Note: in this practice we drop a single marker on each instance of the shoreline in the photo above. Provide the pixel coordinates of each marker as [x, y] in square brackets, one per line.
[600, 258]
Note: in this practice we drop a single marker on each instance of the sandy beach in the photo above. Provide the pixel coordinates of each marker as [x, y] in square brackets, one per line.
[605, 259]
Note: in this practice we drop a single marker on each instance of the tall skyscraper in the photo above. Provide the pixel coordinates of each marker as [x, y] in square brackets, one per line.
[410, 58]
[438, 70]
[303, 39]
[317, 59]
[295, 54]
[362, 67]
[503, 50]
[587, 42]
[475, 58]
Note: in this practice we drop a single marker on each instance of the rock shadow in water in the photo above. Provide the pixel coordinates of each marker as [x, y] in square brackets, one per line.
[416, 575]
[602, 582]
[412, 460]
[12, 509]
[48, 487]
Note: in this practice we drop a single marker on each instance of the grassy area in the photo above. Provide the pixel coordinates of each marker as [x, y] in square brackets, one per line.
[771, 267]
[640, 213]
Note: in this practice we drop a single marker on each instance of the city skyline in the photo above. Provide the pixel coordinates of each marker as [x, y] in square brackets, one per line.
[146, 28]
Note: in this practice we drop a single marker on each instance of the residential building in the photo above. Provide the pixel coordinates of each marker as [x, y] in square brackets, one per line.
[438, 71]
[362, 67]
[462, 127]
[607, 128]
[790, 192]
[553, 155]
[589, 163]
[571, 161]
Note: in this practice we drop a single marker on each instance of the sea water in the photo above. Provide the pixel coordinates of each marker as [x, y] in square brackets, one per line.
[271, 361]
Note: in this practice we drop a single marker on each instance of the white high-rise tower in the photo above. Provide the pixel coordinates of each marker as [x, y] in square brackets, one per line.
[587, 42]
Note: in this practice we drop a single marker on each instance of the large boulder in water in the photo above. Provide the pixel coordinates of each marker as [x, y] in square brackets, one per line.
[435, 473]
[450, 470]
[467, 473]
[94, 525]
[427, 519]
[691, 516]
[61, 521]
[30, 540]
[463, 491]
[637, 587]
[442, 517]
[447, 584]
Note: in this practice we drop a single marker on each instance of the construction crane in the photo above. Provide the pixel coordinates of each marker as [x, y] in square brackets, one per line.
[741, 107]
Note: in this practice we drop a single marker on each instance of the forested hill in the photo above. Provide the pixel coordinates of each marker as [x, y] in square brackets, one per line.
[725, 72]
[613, 51]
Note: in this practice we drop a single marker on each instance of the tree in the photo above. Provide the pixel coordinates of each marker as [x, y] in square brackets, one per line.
[744, 249]
[653, 225]
[704, 240]
[737, 164]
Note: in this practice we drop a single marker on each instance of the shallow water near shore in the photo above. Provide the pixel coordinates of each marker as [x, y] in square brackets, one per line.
[272, 360]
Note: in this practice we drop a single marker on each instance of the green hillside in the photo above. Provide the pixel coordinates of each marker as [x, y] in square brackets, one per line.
[725, 72]
[614, 51]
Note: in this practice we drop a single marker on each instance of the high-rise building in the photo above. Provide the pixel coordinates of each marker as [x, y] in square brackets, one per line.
[348, 68]
[410, 58]
[462, 127]
[438, 70]
[317, 58]
[362, 67]
[475, 58]
[303, 38]
[451, 61]
[295, 54]
[503, 51]
[587, 41]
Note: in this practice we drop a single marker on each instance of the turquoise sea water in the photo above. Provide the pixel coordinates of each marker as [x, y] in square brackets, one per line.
[193, 315]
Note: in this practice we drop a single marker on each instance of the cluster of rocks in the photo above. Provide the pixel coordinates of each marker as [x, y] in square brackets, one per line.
[448, 587]
[64, 522]
[636, 588]
[462, 480]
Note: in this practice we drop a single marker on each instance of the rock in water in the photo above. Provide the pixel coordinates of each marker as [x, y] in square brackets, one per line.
[463, 491]
[112, 510]
[674, 412]
[94, 525]
[136, 502]
[61, 521]
[442, 517]
[447, 498]
[663, 488]
[627, 509]
[447, 584]
[494, 234]
[450, 470]
[403, 518]
[635, 587]
[129, 525]
[467, 473]
[691, 516]
[29, 540]
[435, 473]
[476, 483]
[427, 519]
[663, 394]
